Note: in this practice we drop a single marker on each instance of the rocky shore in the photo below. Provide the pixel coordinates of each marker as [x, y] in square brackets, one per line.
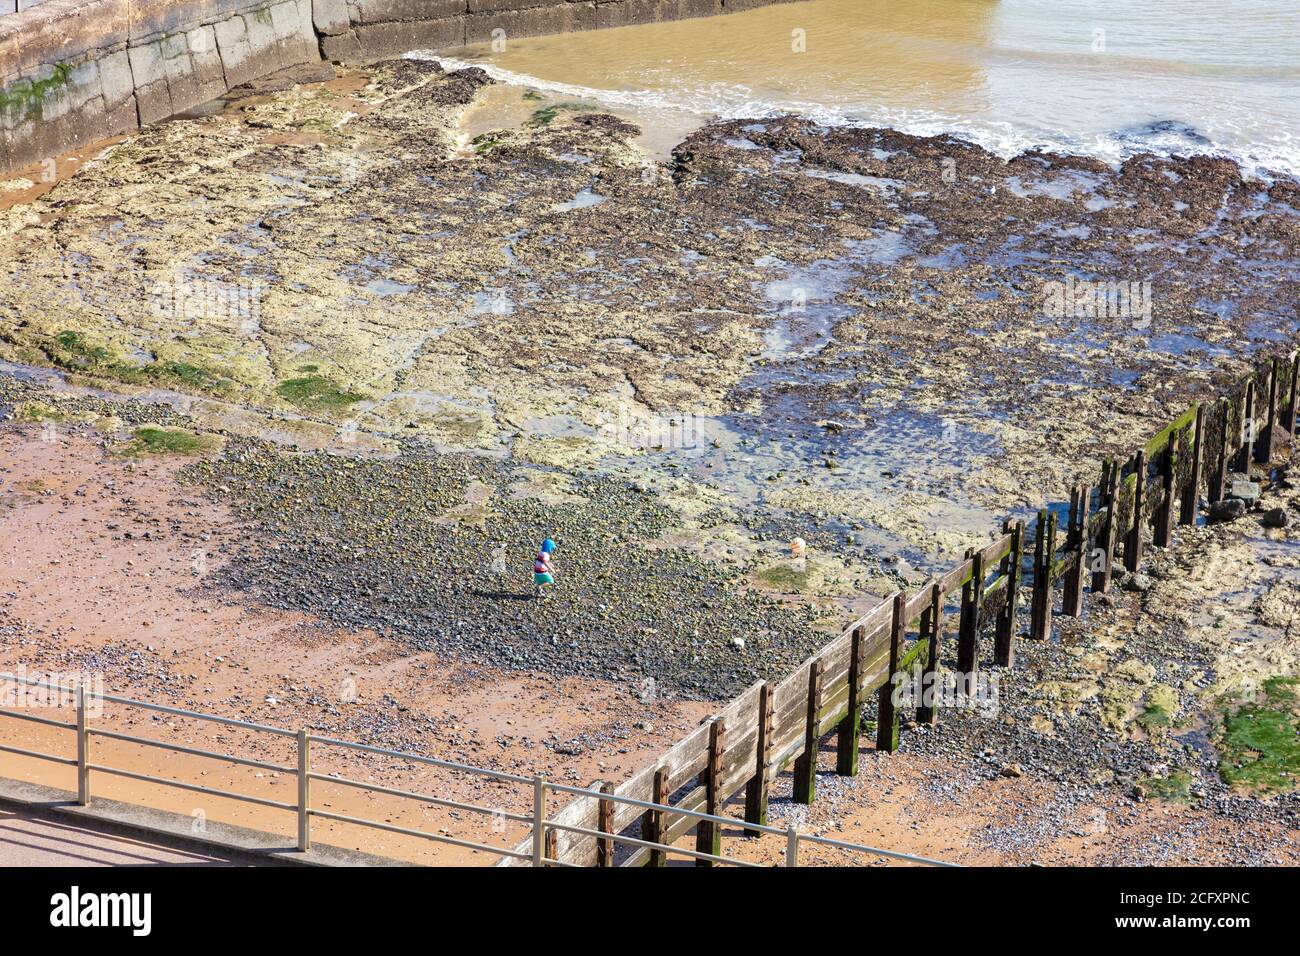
[401, 355]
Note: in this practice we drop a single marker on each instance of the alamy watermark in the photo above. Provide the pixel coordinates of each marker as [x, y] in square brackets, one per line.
[669, 432]
[949, 690]
[183, 297]
[20, 690]
[1099, 299]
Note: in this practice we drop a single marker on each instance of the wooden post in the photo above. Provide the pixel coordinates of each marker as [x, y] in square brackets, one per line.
[1036, 600]
[1045, 549]
[972, 597]
[654, 825]
[805, 765]
[1072, 535]
[708, 834]
[932, 628]
[1004, 652]
[1191, 490]
[1264, 441]
[757, 788]
[605, 824]
[1133, 542]
[1295, 387]
[1106, 540]
[850, 728]
[1072, 599]
[886, 712]
[1164, 534]
[1245, 436]
[1219, 477]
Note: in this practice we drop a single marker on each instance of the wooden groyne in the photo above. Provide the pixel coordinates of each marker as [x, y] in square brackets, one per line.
[770, 727]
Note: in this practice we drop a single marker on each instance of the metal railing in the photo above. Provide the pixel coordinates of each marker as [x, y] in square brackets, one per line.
[302, 808]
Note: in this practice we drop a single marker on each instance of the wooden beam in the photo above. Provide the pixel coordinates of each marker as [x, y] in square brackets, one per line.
[886, 712]
[805, 765]
[708, 835]
[931, 630]
[1295, 389]
[1191, 490]
[1135, 539]
[654, 825]
[605, 845]
[1072, 598]
[1106, 540]
[850, 728]
[1219, 477]
[972, 597]
[1264, 441]
[756, 790]
[1164, 533]
[1004, 651]
[1246, 434]
[1045, 548]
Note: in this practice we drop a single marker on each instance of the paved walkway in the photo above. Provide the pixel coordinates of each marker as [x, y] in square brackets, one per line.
[28, 839]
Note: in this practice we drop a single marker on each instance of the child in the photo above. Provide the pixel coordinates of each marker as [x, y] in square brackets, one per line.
[543, 572]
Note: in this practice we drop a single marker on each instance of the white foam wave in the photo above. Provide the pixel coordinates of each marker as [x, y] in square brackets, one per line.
[1263, 159]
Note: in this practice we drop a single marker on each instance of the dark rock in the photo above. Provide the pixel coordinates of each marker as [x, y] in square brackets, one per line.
[1229, 509]
[1275, 518]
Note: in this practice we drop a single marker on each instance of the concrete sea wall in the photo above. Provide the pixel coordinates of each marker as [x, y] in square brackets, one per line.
[76, 71]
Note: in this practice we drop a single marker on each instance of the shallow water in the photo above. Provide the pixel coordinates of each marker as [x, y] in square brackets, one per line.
[1104, 77]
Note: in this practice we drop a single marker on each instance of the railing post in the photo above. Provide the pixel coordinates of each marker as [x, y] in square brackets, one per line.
[1191, 490]
[539, 821]
[757, 788]
[304, 791]
[83, 749]
[850, 728]
[791, 847]
[805, 765]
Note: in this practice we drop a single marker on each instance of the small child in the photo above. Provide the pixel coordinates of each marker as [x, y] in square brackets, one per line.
[543, 571]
